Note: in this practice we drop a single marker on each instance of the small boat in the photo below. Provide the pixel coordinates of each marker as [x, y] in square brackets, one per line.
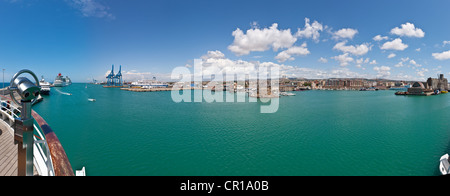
[401, 93]
[368, 89]
[287, 94]
[443, 92]
[444, 166]
[92, 100]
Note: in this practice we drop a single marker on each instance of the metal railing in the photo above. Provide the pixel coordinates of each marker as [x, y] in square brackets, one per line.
[43, 158]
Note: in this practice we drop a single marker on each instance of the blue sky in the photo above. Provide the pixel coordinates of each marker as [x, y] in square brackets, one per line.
[312, 39]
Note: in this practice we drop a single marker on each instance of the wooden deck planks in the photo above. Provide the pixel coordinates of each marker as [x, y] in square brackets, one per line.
[8, 155]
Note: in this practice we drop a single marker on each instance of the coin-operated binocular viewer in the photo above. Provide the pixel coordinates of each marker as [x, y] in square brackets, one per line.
[23, 127]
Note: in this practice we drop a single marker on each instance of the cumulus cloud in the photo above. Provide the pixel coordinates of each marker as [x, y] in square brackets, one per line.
[399, 64]
[213, 54]
[408, 30]
[91, 8]
[295, 50]
[310, 30]
[396, 44]
[382, 71]
[421, 72]
[380, 38]
[346, 33]
[355, 50]
[361, 61]
[261, 40]
[445, 43]
[343, 59]
[222, 65]
[392, 55]
[413, 62]
[442, 56]
[323, 60]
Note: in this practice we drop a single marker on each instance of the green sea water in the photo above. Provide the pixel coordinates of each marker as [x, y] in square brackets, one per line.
[312, 133]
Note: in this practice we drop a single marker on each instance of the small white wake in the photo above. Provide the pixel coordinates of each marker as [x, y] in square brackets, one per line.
[61, 92]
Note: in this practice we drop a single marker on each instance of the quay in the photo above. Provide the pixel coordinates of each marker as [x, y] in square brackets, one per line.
[433, 86]
[415, 94]
[146, 89]
[115, 86]
[157, 89]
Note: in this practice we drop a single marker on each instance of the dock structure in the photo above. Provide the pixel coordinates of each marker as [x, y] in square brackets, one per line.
[110, 77]
[433, 86]
[118, 78]
[114, 80]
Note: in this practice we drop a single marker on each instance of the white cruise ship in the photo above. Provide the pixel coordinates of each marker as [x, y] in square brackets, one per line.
[61, 81]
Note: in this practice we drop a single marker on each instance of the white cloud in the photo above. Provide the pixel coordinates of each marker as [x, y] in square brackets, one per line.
[380, 38]
[399, 64]
[418, 49]
[373, 62]
[396, 44]
[310, 31]
[408, 30]
[343, 59]
[323, 60]
[217, 66]
[214, 54]
[346, 33]
[361, 61]
[382, 71]
[295, 50]
[91, 8]
[413, 62]
[261, 40]
[421, 72]
[355, 50]
[382, 68]
[442, 56]
[445, 43]
[392, 55]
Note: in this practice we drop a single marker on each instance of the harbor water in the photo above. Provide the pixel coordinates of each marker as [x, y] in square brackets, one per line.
[312, 133]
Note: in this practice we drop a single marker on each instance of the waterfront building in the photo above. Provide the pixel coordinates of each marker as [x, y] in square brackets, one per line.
[418, 88]
[440, 83]
[344, 84]
[430, 86]
[153, 84]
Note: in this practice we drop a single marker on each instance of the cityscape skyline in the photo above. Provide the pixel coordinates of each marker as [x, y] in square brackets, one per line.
[401, 40]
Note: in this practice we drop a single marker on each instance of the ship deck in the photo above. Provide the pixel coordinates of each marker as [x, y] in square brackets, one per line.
[8, 155]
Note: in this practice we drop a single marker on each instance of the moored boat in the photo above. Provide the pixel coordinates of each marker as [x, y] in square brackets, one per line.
[287, 94]
[45, 86]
